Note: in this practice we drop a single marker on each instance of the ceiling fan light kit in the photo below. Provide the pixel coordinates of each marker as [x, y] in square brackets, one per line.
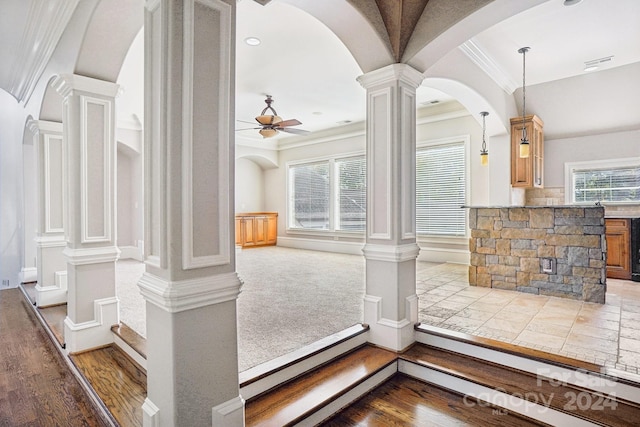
[272, 124]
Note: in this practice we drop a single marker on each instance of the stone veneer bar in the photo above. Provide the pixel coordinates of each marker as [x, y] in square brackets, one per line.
[547, 250]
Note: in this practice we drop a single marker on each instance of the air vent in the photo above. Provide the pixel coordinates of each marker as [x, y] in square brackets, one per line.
[595, 63]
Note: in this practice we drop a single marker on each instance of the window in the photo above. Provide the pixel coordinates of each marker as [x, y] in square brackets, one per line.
[328, 195]
[612, 181]
[441, 190]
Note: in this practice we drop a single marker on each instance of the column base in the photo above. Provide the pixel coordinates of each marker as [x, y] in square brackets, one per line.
[396, 335]
[28, 275]
[53, 294]
[229, 413]
[150, 414]
[95, 333]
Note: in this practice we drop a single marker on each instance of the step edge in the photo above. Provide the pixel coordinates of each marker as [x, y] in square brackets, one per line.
[624, 391]
[556, 407]
[402, 370]
[496, 345]
[285, 361]
[139, 339]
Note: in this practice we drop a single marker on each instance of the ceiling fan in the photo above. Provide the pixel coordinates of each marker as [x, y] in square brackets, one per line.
[271, 124]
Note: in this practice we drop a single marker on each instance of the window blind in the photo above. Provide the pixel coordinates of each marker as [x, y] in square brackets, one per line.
[309, 204]
[606, 185]
[441, 190]
[352, 193]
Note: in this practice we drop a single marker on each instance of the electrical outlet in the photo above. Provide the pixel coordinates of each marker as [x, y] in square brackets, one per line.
[5, 282]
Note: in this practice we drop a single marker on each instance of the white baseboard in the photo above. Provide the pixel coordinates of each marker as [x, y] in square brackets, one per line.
[427, 253]
[353, 248]
[130, 252]
[441, 255]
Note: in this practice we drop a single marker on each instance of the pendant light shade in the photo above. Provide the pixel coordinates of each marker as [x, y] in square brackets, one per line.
[484, 153]
[524, 141]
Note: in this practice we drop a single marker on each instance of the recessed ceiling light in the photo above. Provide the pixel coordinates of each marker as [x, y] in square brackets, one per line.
[571, 2]
[252, 41]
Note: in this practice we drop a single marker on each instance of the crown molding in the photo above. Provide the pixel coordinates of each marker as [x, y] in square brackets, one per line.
[45, 24]
[474, 51]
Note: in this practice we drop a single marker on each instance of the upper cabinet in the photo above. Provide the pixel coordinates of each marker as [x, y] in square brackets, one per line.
[527, 172]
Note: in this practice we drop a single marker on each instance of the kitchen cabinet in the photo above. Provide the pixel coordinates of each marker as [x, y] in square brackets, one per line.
[256, 229]
[618, 235]
[527, 172]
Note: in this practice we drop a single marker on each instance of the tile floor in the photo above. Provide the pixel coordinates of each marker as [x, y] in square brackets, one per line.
[606, 334]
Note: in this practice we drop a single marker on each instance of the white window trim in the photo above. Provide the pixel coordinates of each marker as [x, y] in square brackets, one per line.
[466, 140]
[570, 167]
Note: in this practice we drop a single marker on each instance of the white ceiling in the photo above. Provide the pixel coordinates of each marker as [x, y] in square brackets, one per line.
[312, 76]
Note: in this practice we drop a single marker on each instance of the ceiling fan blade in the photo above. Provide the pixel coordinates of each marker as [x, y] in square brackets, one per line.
[247, 129]
[295, 131]
[244, 121]
[290, 122]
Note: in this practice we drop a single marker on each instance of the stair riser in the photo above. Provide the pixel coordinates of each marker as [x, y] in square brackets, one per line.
[349, 397]
[476, 394]
[284, 375]
[126, 348]
[575, 377]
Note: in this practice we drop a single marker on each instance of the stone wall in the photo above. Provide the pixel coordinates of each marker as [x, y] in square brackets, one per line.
[546, 250]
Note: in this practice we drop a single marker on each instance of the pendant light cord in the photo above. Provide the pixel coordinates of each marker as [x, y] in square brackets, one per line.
[524, 94]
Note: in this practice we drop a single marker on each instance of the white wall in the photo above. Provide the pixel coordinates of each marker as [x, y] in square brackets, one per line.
[12, 121]
[557, 152]
[444, 121]
[250, 188]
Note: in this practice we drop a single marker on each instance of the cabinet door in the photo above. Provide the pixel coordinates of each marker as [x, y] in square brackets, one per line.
[238, 231]
[272, 229]
[521, 172]
[618, 235]
[260, 230]
[249, 231]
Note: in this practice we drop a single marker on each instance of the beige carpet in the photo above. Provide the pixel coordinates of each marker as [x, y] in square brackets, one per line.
[290, 298]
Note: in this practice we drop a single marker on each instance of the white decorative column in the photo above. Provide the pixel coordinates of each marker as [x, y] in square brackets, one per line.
[91, 252]
[190, 283]
[50, 239]
[390, 302]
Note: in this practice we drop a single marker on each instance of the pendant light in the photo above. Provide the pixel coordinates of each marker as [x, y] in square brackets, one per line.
[484, 153]
[524, 142]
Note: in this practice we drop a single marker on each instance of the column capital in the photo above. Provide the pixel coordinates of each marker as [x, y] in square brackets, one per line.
[392, 73]
[83, 256]
[66, 84]
[44, 126]
[181, 295]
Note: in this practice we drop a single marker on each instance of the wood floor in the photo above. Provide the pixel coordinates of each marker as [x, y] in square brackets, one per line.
[119, 383]
[404, 401]
[37, 388]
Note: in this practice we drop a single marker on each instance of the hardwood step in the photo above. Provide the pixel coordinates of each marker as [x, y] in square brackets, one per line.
[578, 401]
[302, 397]
[54, 316]
[406, 401]
[266, 376]
[117, 380]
